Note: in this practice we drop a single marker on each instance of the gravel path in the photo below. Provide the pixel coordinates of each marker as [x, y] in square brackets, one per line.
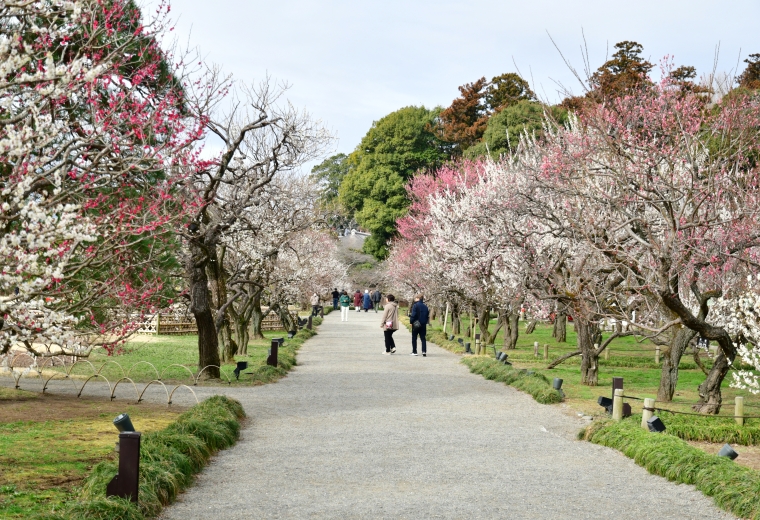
[352, 433]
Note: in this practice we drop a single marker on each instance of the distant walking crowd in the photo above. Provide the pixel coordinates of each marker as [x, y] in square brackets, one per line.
[419, 314]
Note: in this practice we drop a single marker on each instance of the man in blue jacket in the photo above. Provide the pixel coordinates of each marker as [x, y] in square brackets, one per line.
[419, 318]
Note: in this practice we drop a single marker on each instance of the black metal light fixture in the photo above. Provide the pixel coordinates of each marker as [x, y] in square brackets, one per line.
[123, 423]
[125, 484]
[557, 385]
[605, 402]
[467, 348]
[655, 424]
[241, 365]
[727, 451]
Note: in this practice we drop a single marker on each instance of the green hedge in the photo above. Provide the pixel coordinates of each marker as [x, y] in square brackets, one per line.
[535, 384]
[168, 460]
[733, 487]
[712, 429]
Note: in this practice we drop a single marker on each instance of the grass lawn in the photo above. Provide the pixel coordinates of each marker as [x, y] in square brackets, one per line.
[630, 358]
[48, 444]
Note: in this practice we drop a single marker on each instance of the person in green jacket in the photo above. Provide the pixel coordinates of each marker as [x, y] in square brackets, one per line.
[345, 303]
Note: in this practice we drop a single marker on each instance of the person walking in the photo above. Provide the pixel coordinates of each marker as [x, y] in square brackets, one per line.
[376, 297]
[367, 301]
[358, 300]
[345, 303]
[314, 304]
[336, 297]
[390, 323]
[419, 318]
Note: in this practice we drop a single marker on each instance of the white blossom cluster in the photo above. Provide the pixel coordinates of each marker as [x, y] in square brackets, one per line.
[740, 316]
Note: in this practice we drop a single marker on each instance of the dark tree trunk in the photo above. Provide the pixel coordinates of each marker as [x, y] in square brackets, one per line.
[710, 398]
[670, 362]
[456, 323]
[560, 327]
[588, 334]
[511, 330]
[257, 317]
[218, 282]
[200, 306]
[286, 318]
[433, 313]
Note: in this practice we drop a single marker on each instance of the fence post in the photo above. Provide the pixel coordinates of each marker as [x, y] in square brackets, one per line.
[158, 323]
[739, 410]
[647, 414]
[535, 349]
[657, 355]
[546, 351]
[477, 344]
[607, 353]
[445, 318]
[617, 405]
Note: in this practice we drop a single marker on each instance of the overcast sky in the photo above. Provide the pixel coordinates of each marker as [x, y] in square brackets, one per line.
[352, 62]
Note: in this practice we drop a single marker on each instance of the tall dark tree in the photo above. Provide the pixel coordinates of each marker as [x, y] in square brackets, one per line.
[330, 174]
[626, 71]
[750, 78]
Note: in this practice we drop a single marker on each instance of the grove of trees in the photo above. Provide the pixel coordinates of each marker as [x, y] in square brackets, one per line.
[110, 210]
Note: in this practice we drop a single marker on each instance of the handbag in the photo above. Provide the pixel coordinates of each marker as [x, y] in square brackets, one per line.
[388, 324]
[416, 325]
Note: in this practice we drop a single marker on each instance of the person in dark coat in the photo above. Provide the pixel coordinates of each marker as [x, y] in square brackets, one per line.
[376, 297]
[367, 301]
[336, 296]
[419, 318]
[358, 300]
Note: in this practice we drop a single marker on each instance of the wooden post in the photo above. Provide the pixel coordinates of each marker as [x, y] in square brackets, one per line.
[546, 351]
[657, 354]
[158, 323]
[477, 344]
[445, 318]
[739, 410]
[607, 353]
[647, 414]
[535, 349]
[617, 405]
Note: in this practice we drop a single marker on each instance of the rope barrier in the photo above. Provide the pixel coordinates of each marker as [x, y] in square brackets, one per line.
[631, 397]
[674, 412]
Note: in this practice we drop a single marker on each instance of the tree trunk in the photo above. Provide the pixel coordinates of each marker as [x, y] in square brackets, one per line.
[241, 331]
[228, 347]
[200, 306]
[433, 313]
[710, 398]
[588, 334]
[456, 324]
[670, 362]
[560, 327]
[215, 273]
[511, 330]
[531, 327]
[257, 317]
[286, 318]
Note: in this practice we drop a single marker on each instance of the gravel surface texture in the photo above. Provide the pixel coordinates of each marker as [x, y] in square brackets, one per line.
[354, 433]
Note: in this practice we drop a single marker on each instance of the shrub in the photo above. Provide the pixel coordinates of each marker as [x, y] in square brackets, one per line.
[534, 384]
[733, 487]
[168, 461]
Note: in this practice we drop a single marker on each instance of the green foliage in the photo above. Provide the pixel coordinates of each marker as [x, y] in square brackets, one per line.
[713, 429]
[534, 384]
[505, 128]
[394, 149]
[330, 174]
[733, 487]
[168, 461]
[750, 78]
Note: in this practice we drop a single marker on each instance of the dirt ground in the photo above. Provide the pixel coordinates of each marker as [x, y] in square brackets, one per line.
[18, 405]
[749, 456]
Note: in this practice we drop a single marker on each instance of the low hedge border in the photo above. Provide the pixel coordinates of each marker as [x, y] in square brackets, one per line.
[713, 429]
[529, 382]
[733, 488]
[168, 461]
[286, 357]
[537, 385]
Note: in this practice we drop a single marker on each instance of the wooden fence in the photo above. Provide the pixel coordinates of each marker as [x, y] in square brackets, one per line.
[174, 324]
